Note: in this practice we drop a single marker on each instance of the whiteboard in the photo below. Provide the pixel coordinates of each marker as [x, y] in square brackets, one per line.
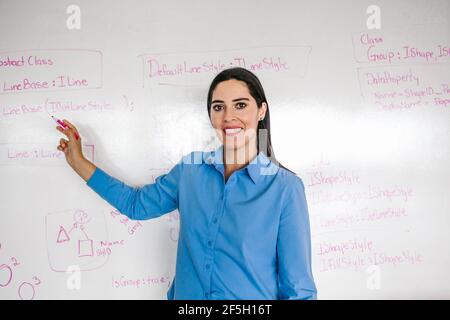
[362, 115]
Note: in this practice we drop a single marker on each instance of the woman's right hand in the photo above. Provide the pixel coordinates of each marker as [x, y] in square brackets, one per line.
[71, 147]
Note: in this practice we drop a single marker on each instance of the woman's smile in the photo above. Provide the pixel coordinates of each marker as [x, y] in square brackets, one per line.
[232, 130]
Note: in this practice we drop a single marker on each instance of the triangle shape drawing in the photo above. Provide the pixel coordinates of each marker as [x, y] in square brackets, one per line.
[62, 235]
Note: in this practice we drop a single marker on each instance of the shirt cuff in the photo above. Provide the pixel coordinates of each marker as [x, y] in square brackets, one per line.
[99, 181]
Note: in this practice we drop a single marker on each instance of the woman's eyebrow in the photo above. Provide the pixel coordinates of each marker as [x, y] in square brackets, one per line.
[234, 100]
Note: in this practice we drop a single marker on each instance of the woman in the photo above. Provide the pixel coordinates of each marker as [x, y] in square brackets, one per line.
[244, 225]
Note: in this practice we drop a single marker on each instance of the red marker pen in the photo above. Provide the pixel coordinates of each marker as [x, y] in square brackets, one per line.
[62, 124]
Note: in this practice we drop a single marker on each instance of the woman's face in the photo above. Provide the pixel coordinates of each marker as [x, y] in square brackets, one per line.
[235, 114]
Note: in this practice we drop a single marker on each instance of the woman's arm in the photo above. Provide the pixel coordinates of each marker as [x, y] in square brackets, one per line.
[142, 203]
[84, 168]
[295, 278]
[139, 203]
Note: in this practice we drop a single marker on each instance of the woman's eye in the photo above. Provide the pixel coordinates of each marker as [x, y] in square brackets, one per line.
[217, 107]
[241, 105]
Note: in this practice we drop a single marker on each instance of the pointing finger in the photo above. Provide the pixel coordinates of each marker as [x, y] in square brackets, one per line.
[66, 131]
[70, 125]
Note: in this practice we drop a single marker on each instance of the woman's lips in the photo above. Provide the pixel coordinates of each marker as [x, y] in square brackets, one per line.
[232, 131]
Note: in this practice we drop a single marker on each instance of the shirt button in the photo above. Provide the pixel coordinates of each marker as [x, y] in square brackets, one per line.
[208, 266]
[209, 243]
[215, 220]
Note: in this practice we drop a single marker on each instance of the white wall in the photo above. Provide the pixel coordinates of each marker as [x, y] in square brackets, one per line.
[369, 138]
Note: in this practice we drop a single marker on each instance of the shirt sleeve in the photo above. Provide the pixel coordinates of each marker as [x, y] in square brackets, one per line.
[295, 278]
[139, 203]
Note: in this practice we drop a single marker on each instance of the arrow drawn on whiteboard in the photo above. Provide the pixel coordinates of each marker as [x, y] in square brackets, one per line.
[128, 104]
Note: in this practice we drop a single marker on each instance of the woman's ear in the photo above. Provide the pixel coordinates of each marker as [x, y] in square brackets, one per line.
[262, 111]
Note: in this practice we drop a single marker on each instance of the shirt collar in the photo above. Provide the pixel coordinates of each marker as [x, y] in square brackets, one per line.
[261, 165]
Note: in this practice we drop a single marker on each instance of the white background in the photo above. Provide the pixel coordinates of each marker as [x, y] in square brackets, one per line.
[373, 159]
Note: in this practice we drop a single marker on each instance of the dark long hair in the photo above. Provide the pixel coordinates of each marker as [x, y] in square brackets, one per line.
[257, 92]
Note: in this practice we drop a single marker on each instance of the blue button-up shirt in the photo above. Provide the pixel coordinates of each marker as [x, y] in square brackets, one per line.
[248, 238]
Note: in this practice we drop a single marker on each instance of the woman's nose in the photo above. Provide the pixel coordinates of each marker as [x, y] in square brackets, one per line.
[228, 115]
